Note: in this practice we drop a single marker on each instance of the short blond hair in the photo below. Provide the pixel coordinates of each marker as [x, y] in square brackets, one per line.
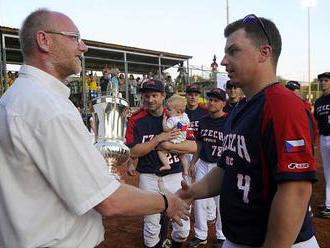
[177, 102]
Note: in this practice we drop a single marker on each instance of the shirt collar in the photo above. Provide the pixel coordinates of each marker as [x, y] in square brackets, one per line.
[47, 80]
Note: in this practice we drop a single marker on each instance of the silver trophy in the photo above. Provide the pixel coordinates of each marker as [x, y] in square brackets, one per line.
[110, 116]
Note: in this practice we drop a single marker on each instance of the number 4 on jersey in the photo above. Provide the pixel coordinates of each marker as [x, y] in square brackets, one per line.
[243, 183]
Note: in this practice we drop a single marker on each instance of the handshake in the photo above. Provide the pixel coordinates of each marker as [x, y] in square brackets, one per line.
[178, 207]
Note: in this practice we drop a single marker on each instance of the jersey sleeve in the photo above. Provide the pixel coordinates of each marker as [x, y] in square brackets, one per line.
[131, 134]
[288, 136]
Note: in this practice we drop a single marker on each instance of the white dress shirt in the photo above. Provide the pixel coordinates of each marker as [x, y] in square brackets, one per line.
[51, 176]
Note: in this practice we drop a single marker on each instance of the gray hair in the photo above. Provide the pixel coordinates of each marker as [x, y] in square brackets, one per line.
[32, 24]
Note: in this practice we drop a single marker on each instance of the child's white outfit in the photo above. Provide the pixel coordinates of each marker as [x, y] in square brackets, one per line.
[181, 123]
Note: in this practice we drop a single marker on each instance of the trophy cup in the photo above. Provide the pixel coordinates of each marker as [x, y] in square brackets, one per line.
[110, 115]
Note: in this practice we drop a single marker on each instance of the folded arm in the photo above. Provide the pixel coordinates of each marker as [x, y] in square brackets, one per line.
[187, 146]
[143, 149]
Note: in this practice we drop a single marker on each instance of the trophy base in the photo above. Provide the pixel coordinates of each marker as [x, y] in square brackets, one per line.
[115, 153]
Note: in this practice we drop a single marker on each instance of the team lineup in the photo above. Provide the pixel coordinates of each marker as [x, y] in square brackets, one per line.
[243, 161]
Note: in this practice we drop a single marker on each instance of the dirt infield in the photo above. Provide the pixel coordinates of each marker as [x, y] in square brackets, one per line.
[127, 232]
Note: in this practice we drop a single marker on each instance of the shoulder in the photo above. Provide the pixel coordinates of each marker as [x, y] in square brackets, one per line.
[205, 119]
[282, 101]
[137, 115]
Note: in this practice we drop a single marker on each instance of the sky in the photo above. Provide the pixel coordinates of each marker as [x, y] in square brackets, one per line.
[192, 27]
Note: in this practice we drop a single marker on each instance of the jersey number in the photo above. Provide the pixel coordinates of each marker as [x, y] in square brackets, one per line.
[216, 151]
[172, 158]
[243, 183]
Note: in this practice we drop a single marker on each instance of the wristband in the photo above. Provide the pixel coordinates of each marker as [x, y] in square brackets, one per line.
[165, 202]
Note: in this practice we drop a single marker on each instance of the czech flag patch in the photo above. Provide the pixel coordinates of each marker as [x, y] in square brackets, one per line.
[295, 145]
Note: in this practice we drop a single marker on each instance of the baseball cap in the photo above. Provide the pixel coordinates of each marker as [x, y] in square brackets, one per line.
[323, 75]
[229, 85]
[152, 85]
[292, 85]
[193, 88]
[217, 93]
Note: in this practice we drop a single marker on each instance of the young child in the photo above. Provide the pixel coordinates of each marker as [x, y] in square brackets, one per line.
[177, 118]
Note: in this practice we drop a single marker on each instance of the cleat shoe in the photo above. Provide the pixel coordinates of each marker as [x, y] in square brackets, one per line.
[196, 242]
[218, 243]
[325, 213]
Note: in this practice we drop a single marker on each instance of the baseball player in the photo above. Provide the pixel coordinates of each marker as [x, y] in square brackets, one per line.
[322, 115]
[266, 170]
[144, 134]
[209, 139]
[195, 112]
[234, 96]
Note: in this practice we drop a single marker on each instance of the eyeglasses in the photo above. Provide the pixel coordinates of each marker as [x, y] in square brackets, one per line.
[253, 19]
[75, 35]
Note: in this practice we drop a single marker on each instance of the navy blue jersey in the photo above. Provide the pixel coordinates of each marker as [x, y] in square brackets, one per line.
[195, 115]
[265, 143]
[141, 128]
[322, 114]
[210, 135]
[229, 107]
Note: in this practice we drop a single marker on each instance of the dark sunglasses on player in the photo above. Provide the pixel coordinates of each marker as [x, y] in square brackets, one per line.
[253, 19]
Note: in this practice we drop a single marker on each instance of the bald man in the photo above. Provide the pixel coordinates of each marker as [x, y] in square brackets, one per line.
[54, 183]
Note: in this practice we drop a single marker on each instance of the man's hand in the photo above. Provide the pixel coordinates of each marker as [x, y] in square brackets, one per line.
[177, 208]
[131, 167]
[185, 193]
[166, 136]
[131, 171]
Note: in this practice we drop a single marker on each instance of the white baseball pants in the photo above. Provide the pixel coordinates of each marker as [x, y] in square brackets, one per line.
[325, 156]
[211, 207]
[201, 206]
[172, 183]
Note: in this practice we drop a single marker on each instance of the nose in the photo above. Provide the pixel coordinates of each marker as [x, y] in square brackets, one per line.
[224, 61]
[82, 46]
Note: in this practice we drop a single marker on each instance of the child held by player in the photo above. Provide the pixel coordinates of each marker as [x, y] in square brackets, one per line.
[175, 117]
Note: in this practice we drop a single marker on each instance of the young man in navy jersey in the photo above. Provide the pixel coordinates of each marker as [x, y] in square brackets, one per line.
[267, 168]
[322, 115]
[234, 96]
[209, 138]
[195, 112]
[144, 135]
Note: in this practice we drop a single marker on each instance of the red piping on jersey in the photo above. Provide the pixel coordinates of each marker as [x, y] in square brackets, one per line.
[131, 124]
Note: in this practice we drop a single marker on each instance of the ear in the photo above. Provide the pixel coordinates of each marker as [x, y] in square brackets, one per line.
[42, 40]
[266, 52]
